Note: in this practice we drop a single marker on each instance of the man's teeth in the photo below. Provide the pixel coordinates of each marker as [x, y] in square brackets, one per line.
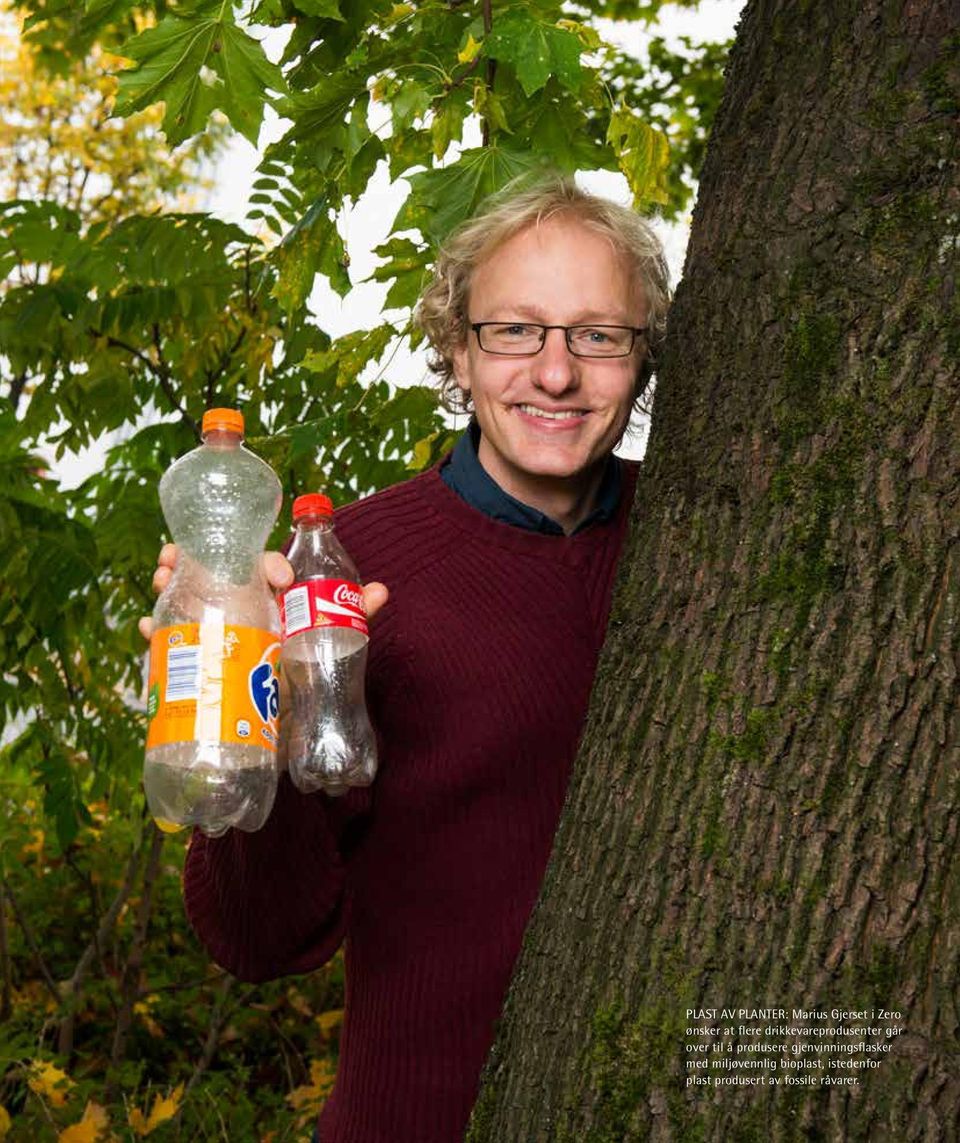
[559, 415]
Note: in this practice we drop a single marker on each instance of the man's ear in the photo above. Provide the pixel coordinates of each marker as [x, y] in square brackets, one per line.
[461, 367]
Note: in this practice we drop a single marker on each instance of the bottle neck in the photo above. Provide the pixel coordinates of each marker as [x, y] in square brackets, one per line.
[222, 439]
[314, 523]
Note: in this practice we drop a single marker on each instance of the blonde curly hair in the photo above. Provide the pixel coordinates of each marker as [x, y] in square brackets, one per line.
[441, 312]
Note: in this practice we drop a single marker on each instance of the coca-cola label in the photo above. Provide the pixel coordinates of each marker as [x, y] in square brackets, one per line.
[322, 603]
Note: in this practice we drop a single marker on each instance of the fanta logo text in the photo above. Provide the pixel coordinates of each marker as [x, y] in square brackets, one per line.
[348, 595]
[265, 691]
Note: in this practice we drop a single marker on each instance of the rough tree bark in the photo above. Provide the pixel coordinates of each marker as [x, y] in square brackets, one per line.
[764, 812]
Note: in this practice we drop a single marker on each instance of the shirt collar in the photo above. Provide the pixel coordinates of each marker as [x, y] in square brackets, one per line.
[470, 480]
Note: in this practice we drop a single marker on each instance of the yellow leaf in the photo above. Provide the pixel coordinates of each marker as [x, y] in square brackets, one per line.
[143, 1011]
[330, 1020]
[35, 846]
[310, 1097]
[89, 1129]
[587, 36]
[168, 826]
[422, 452]
[164, 1108]
[50, 1082]
[4, 1121]
[643, 154]
[469, 51]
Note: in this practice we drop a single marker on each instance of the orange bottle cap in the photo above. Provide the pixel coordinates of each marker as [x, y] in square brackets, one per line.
[226, 420]
[312, 504]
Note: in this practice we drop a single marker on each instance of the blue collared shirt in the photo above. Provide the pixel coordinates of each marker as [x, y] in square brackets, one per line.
[470, 480]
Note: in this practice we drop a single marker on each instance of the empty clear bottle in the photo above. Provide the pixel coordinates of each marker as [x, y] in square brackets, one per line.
[213, 689]
[325, 732]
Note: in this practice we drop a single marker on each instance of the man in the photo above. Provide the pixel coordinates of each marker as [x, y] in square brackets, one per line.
[500, 565]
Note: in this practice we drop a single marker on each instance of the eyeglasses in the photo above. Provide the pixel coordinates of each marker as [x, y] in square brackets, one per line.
[520, 339]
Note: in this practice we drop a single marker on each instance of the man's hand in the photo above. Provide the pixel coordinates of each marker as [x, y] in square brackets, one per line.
[279, 575]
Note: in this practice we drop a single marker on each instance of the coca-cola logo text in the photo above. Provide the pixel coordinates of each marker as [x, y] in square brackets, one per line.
[350, 596]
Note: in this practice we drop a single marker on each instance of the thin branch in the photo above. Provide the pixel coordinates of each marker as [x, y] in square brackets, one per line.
[491, 66]
[163, 376]
[108, 921]
[95, 907]
[130, 985]
[158, 368]
[6, 1006]
[214, 375]
[48, 980]
[462, 78]
[218, 1017]
[17, 385]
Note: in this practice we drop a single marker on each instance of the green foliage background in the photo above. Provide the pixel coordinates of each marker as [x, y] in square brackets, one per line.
[132, 327]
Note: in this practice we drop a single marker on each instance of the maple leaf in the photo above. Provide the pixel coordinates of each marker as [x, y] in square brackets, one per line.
[195, 63]
[643, 153]
[536, 50]
[310, 1097]
[49, 1082]
[164, 1108]
[94, 1122]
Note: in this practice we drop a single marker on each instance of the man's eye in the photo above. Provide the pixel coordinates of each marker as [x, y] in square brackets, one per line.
[593, 335]
[514, 330]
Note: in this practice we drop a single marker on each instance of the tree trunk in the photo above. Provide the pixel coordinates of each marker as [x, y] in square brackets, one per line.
[764, 812]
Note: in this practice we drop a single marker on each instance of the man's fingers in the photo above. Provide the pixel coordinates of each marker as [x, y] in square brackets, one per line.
[277, 569]
[168, 556]
[161, 577]
[280, 574]
[375, 595]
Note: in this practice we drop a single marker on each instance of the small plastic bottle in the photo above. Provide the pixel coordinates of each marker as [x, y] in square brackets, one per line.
[213, 688]
[325, 731]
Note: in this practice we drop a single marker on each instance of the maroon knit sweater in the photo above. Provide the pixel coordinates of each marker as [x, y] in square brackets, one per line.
[478, 680]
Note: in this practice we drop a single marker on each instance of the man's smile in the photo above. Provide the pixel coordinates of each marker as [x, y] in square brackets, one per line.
[552, 414]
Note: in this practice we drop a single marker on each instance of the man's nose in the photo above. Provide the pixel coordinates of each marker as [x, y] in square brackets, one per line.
[556, 369]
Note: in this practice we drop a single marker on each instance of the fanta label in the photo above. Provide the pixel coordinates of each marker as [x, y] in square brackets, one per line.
[213, 682]
[322, 603]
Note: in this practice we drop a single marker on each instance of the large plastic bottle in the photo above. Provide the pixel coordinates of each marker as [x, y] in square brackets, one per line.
[326, 733]
[213, 688]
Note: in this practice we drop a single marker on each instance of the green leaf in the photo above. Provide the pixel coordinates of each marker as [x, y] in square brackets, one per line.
[558, 128]
[41, 232]
[348, 355]
[447, 126]
[195, 64]
[312, 247]
[246, 74]
[440, 199]
[327, 9]
[536, 50]
[408, 102]
[489, 107]
[643, 154]
[406, 271]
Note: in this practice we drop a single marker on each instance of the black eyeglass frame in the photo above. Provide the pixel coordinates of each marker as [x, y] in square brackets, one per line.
[477, 326]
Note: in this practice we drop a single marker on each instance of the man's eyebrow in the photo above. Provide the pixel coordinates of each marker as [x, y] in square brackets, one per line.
[534, 313]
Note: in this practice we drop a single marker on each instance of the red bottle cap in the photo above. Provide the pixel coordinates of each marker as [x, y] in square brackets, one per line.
[312, 504]
[226, 420]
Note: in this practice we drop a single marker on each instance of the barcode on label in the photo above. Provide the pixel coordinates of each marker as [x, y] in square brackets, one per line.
[296, 610]
[183, 673]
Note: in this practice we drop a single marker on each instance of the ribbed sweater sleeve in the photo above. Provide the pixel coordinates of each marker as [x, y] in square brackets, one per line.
[269, 903]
